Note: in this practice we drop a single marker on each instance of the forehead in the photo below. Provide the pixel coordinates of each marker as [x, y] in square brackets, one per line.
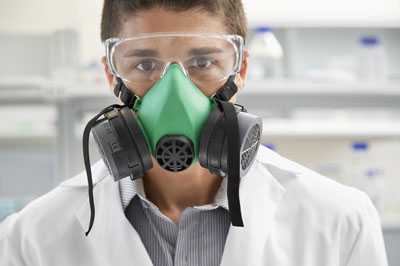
[162, 20]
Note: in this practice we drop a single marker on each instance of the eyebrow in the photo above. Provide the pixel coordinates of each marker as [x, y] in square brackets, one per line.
[142, 53]
[205, 50]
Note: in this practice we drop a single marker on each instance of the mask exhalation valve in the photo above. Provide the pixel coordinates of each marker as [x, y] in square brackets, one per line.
[174, 153]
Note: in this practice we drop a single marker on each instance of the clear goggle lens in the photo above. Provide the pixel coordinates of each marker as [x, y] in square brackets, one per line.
[206, 59]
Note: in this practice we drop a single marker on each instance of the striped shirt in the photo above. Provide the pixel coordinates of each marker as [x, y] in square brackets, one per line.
[199, 237]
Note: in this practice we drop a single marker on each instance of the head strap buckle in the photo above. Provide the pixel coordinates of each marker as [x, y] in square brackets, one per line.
[226, 92]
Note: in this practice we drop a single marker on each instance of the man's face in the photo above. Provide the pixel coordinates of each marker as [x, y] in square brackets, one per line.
[160, 20]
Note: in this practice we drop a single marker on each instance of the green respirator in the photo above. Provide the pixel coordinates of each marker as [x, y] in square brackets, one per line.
[173, 114]
[178, 125]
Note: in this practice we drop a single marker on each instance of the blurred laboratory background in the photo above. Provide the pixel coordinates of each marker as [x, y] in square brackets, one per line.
[324, 75]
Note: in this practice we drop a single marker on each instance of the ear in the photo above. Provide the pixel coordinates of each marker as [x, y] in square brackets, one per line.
[242, 75]
[112, 82]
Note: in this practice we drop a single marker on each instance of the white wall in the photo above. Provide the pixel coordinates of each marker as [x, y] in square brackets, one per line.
[46, 16]
[37, 15]
[293, 12]
[89, 17]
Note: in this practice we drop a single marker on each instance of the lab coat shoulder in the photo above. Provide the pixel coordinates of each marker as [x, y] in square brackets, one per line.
[325, 213]
[310, 188]
[45, 222]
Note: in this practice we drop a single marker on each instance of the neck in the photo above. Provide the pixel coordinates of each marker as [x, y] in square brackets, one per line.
[173, 192]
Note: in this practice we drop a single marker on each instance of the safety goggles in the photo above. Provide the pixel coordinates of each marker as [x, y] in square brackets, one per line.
[207, 59]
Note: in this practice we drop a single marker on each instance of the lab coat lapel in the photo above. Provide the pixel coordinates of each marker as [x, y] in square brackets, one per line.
[260, 194]
[112, 235]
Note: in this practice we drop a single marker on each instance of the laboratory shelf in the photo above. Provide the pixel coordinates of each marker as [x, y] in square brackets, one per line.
[286, 95]
[29, 84]
[23, 81]
[391, 225]
[31, 89]
[11, 137]
[343, 23]
[36, 89]
[84, 90]
[41, 87]
[330, 128]
[307, 87]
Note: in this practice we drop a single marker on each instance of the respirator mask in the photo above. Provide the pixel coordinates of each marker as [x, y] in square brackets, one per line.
[183, 115]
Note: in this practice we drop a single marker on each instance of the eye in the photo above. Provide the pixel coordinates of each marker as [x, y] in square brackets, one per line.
[201, 62]
[146, 65]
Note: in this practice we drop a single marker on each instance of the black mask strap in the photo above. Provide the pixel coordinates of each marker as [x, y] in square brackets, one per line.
[86, 134]
[232, 126]
[226, 92]
[123, 93]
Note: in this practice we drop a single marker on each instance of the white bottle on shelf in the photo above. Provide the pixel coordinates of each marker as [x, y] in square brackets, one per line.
[372, 59]
[374, 187]
[366, 176]
[266, 55]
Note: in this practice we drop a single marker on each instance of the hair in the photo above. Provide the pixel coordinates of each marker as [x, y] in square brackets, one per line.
[231, 11]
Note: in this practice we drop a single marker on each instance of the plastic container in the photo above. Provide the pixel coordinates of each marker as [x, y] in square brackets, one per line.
[358, 163]
[266, 55]
[270, 146]
[366, 176]
[374, 187]
[372, 59]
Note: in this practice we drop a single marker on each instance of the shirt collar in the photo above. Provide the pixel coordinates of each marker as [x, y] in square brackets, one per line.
[130, 188]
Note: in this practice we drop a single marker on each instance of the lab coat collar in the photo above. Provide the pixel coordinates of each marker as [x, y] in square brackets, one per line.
[261, 190]
[129, 188]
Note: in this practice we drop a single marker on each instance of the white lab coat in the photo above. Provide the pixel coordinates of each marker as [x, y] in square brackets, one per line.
[292, 215]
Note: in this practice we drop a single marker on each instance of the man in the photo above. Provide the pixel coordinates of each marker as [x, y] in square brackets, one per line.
[291, 215]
